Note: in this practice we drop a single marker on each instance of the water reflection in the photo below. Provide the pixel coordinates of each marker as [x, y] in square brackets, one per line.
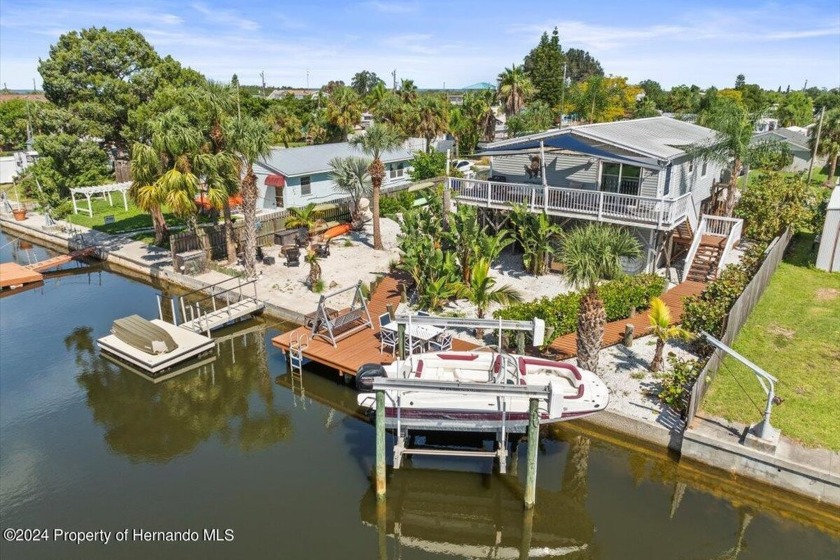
[156, 422]
[477, 516]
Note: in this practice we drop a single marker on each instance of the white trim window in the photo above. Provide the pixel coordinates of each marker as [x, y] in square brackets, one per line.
[396, 171]
[306, 185]
[704, 168]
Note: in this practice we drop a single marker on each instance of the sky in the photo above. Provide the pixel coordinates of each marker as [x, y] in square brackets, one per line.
[450, 43]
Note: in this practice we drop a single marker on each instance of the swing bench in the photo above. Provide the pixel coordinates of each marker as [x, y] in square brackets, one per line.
[334, 328]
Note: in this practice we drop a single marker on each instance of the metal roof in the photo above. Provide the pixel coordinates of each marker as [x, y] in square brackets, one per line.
[568, 142]
[790, 136]
[306, 160]
[662, 138]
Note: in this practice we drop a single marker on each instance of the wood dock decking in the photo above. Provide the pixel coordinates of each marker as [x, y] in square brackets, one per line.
[362, 347]
[13, 274]
[566, 345]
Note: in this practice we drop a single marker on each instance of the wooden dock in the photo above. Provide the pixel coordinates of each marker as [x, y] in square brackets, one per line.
[13, 275]
[566, 345]
[362, 347]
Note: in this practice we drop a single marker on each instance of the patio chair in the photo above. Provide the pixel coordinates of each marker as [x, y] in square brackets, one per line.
[387, 337]
[302, 237]
[323, 249]
[292, 256]
[442, 343]
[416, 346]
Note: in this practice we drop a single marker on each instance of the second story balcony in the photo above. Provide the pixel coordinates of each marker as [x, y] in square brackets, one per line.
[612, 207]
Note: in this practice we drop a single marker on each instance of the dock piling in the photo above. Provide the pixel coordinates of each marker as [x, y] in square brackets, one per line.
[533, 445]
[380, 445]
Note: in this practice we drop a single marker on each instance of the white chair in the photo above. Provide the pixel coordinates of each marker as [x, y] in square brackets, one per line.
[442, 343]
[417, 345]
[387, 337]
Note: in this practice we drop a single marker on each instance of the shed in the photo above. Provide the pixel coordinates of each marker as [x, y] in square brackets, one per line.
[828, 257]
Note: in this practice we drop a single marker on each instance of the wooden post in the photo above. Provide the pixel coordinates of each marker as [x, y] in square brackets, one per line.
[401, 341]
[520, 342]
[533, 444]
[403, 295]
[380, 445]
[628, 334]
[382, 529]
[389, 307]
[527, 532]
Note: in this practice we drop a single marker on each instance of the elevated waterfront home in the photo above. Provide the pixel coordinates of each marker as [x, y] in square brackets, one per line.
[294, 177]
[633, 173]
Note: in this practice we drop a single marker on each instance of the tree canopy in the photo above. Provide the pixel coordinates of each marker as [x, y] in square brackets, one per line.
[544, 67]
[365, 81]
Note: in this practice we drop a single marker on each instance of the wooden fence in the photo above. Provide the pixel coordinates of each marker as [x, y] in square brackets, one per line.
[736, 318]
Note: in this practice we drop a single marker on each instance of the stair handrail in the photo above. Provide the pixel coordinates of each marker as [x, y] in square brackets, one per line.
[691, 213]
[695, 244]
[731, 239]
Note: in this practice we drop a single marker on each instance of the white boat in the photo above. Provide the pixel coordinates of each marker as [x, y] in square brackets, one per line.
[573, 392]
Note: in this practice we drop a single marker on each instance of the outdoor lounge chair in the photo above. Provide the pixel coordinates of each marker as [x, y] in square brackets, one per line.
[442, 343]
[292, 255]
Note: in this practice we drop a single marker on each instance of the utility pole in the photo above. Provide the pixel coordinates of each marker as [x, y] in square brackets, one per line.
[307, 78]
[262, 77]
[394, 74]
[816, 145]
[563, 95]
[34, 87]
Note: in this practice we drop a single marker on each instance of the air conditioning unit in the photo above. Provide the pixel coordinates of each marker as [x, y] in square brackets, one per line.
[190, 262]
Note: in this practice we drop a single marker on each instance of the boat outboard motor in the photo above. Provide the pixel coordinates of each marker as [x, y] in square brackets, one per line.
[366, 374]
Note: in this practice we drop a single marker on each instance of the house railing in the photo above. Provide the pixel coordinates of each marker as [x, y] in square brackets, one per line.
[721, 226]
[599, 205]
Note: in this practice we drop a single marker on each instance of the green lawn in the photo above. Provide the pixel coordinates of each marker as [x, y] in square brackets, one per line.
[794, 334]
[124, 220]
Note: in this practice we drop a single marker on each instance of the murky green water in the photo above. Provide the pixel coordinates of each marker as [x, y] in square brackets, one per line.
[86, 445]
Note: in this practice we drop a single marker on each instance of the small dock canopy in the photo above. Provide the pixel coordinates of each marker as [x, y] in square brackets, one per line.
[332, 327]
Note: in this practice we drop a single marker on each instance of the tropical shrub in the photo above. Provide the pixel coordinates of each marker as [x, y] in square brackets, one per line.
[772, 203]
[427, 165]
[676, 383]
[397, 203]
[560, 312]
[771, 156]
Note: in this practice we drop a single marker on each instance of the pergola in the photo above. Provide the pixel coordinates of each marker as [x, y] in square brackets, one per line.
[99, 189]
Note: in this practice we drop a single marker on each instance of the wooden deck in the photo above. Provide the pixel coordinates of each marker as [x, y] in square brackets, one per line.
[13, 275]
[362, 347]
[566, 345]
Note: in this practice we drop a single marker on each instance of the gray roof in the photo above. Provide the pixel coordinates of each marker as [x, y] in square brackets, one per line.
[656, 137]
[307, 160]
[790, 136]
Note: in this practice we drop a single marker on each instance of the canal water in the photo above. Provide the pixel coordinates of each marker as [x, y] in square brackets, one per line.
[246, 463]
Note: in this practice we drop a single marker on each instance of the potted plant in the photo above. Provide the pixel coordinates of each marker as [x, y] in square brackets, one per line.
[19, 213]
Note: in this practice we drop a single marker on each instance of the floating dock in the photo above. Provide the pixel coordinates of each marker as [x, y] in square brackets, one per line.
[190, 345]
[14, 275]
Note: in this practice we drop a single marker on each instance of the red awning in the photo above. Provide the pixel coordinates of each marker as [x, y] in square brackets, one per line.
[275, 181]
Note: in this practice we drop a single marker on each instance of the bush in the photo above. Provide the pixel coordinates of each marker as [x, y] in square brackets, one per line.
[772, 203]
[677, 383]
[560, 312]
[391, 205]
[427, 166]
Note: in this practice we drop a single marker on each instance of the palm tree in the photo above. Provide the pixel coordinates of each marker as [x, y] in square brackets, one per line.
[536, 233]
[344, 110]
[284, 123]
[829, 142]
[432, 118]
[592, 253]
[480, 290]
[734, 126]
[311, 259]
[351, 177]
[515, 88]
[249, 139]
[377, 140]
[305, 216]
[408, 91]
[661, 328]
[375, 96]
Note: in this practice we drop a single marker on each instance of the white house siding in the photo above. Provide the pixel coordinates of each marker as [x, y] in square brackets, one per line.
[681, 180]
[8, 169]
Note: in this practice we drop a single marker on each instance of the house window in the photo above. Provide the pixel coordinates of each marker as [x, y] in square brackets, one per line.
[278, 197]
[691, 166]
[703, 169]
[306, 186]
[620, 178]
[395, 171]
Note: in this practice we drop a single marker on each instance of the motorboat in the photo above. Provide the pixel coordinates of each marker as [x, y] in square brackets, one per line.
[571, 392]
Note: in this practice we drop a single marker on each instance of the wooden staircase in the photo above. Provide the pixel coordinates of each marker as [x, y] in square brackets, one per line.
[704, 266]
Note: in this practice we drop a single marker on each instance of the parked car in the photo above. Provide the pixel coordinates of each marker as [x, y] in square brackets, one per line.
[462, 165]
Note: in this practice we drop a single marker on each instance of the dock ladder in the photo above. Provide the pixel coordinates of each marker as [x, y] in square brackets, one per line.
[297, 344]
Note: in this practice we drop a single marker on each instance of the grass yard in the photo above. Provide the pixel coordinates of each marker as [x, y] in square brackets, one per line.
[129, 220]
[794, 334]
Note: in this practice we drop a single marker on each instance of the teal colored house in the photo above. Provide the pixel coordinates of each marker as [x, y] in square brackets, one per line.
[295, 177]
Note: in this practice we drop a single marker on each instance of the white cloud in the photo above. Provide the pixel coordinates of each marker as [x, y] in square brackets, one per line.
[225, 17]
[394, 7]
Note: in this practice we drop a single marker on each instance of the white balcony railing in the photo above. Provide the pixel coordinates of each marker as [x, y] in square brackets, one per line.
[597, 205]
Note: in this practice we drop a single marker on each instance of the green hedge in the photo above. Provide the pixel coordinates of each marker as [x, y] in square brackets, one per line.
[560, 312]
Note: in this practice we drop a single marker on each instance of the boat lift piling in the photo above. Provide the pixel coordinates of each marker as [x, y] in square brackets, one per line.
[392, 389]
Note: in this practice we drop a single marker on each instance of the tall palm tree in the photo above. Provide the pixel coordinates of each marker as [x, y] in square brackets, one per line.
[344, 110]
[481, 291]
[663, 330]
[408, 91]
[351, 177]
[249, 139]
[734, 126]
[515, 88]
[593, 253]
[377, 140]
[829, 142]
[375, 97]
[219, 101]
[432, 118]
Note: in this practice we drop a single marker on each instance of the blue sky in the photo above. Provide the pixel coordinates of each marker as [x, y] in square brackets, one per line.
[453, 42]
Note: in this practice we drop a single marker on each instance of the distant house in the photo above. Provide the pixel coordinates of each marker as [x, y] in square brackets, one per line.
[297, 93]
[797, 142]
[635, 173]
[294, 177]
